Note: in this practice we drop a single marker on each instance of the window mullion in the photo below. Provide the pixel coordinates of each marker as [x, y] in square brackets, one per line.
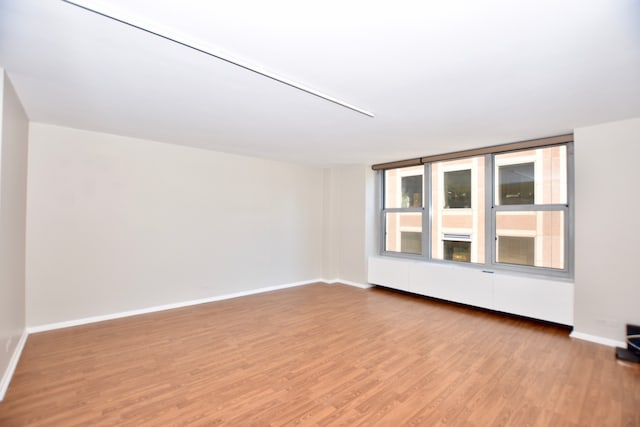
[489, 212]
[529, 208]
[382, 220]
[428, 214]
[570, 231]
[392, 210]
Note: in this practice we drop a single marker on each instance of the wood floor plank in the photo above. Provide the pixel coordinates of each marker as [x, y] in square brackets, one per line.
[320, 355]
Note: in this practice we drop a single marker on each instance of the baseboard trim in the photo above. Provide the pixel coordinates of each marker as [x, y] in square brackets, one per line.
[13, 364]
[348, 282]
[154, 309]
[598, 340]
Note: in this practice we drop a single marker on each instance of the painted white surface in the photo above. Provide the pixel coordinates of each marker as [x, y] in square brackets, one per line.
[447, 282]
[5, 380]
[118, 224]
[349, 282]
[372, 214]
[140, 21]
[329, 237]
[348, 221]
[607, 279]
[13, 182]
[146, 310]
[599, 340]
[389, 272]
[550, 300]
[543, 299]
[440, 76]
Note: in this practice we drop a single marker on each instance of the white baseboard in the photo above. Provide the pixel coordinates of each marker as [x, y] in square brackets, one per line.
[94, 319]
[599, 340]
[13, 363]
[347, 282]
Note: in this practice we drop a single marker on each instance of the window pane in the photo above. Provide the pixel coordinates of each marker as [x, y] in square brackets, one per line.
[458, 210]
[403, 187]
[532, 177]
[457, 187]
[457, 251]
[516, 184]
[403, 232]
[411, 242]
[516, 250]
[534, 238]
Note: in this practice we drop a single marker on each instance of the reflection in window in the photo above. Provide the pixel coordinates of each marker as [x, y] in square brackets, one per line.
[517, 184]
[457, 251]
[403, 187]
[412, 191]
[544, 230]
[457, 187]
[457, 200]
[516, 250]
[403, 232]
[411, 242]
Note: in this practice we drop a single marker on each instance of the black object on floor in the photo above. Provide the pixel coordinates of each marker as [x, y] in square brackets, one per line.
[632, 352]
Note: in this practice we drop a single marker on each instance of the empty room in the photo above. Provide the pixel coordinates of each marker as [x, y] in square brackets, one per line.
[319, 213]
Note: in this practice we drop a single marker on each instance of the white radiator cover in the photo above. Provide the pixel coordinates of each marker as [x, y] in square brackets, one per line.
[538, 298]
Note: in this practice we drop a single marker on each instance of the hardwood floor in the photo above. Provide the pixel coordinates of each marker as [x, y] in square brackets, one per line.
[320, 355]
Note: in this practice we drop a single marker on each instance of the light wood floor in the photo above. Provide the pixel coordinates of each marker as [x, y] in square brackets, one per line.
[320, 355]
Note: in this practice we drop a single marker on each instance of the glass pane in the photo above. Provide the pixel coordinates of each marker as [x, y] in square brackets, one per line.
[532, 177]
[457, 188]
[457, 251]
[458, 210]
[516, 250]
[534, 238]
[403, 232]
[403, 187]
[516, 184]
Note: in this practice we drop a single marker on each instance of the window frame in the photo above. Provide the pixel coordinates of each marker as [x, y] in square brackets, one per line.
[385, 211]
[491, 211]
[567, 271]
[435, 213]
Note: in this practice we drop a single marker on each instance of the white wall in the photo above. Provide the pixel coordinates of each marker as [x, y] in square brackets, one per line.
[13, 181]
[330, 248]
[350, 214]
[607, 228]
[117, 224]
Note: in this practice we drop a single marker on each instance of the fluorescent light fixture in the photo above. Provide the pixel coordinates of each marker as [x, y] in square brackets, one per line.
[105, 10]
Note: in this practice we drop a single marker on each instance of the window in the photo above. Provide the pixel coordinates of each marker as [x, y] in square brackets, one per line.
[531, 206]
[403, 210]
[519, 197]
[457, 203]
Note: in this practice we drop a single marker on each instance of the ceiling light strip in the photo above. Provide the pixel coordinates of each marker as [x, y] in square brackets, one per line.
[203, 48]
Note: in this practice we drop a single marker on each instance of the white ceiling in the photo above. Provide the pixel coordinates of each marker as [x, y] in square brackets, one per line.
[439, 76]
